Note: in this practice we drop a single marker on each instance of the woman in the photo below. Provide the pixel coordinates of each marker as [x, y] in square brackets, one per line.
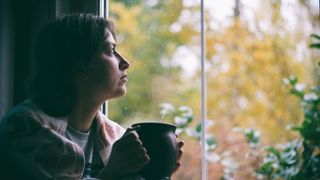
[60, 133]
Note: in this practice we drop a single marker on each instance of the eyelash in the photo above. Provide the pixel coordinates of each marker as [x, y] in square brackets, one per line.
[111, 51]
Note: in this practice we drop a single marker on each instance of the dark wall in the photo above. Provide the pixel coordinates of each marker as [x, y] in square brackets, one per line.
[20, 21]
[5, 63]
[28, 17]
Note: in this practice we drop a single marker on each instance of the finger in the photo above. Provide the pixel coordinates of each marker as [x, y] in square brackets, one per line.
[142, 160]
[178, 165]
[142, 154]
[129, 138]
[180, 144]
[135, 153]
[130, 134]
[130, 129]
[179, 156]
[134, 157]
[180, 152]
[130, 144]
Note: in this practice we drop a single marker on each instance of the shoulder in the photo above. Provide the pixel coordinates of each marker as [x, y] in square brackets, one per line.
[20, 118]
[110, 128]
[27, 115]
[34, 146]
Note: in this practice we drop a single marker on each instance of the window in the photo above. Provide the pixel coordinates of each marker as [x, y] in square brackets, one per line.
[250, 48]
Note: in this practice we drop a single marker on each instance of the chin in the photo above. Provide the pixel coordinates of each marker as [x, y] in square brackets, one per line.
[120, 93]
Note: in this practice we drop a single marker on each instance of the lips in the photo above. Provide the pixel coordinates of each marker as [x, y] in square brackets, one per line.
[124, 78]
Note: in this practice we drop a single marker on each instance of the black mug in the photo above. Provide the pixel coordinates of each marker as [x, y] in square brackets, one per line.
[159, 139]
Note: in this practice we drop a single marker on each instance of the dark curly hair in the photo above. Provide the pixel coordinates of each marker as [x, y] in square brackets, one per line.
[63, 50]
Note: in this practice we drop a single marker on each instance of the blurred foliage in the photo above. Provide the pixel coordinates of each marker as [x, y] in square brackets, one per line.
[147, 29]
[244, 84]
[300, 158]
[246, 63]
[296, 159]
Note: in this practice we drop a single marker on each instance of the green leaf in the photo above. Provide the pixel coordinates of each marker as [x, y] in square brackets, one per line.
[293, 79]
[316, 45]
[198, 128]
[274, 151]
[252, 137]
[211, 141]
[315, 36]
[265, 169]
[190, 119]
[296, 128]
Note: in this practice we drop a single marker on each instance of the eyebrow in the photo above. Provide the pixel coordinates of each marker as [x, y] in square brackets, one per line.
[107, 44]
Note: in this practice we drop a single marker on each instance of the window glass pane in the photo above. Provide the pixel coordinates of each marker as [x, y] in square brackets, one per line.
[251, 47]
[162, 41]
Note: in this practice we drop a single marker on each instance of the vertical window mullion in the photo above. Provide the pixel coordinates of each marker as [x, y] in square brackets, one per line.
[203, 96]
[104, 12]
[104, 8]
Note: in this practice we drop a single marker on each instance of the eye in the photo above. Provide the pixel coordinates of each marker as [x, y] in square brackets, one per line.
[110, 51]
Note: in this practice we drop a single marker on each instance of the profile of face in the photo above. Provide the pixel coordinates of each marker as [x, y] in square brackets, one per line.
[106, 76]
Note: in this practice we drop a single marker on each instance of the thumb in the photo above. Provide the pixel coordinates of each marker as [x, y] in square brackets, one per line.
[130, 129]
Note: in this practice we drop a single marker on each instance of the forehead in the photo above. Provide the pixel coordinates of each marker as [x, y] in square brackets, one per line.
[110, 39]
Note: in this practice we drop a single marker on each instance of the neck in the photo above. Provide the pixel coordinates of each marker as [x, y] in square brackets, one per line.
[81, 117]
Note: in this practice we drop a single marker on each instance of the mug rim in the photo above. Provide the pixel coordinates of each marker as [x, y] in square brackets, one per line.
[154, 122]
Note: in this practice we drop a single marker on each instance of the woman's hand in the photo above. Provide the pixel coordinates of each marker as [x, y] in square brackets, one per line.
[180, 152]
[127, 157]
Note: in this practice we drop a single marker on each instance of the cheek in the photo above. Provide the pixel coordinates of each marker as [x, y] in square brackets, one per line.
[106, 73]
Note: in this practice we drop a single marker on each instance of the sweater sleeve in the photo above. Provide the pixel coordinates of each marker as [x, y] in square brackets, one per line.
[107, 132]
[35, 149]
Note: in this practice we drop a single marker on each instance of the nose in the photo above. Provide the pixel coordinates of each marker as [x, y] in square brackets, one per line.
[124, 63]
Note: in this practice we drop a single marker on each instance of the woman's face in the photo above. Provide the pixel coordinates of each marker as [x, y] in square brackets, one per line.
[106, 77]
